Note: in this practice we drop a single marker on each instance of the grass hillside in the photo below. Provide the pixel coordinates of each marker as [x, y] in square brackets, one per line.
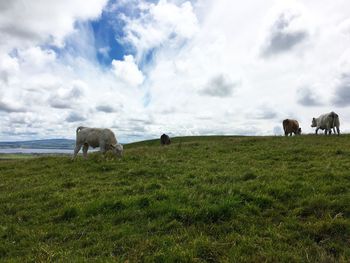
[201, 199]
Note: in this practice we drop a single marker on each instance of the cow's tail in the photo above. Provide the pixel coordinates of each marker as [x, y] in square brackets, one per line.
[285, 122]
[334, 118]
[79, 128]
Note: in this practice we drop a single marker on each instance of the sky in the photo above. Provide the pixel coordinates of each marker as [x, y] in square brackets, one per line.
[143, 68]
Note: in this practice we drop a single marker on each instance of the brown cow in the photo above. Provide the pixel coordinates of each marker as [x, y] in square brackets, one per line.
[290, 127]
[165, 139]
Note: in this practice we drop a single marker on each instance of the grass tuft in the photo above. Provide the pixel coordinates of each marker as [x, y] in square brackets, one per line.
[248, 175]
[68, 214]
[206, 251]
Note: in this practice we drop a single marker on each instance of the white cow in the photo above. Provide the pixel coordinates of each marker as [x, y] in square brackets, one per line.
[96, 137]
[326, 122]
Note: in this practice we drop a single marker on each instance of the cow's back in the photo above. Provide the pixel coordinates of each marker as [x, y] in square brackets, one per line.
[94, 136]
[108, 137]
[328, 120]
[322, 120]
[295, 125]
[89, 135]
[290, 126]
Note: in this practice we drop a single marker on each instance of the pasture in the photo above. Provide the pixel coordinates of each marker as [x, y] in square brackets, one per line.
[201, 199]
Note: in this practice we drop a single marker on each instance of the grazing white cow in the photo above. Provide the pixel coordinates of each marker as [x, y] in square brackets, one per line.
[326, 122]
[96, 137]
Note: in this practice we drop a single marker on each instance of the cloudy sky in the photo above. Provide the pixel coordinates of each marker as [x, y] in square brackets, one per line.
[145, 67]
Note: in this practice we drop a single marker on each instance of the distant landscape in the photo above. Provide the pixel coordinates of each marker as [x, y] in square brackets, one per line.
[40, 144]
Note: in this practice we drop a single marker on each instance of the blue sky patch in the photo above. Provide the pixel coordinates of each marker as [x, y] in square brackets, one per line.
[107, 31]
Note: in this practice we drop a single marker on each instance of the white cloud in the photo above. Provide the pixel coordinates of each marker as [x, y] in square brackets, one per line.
[66, 98]
[23, 24]
[8, 67]
[105, 108]
[35, 57]
[342, 92]
[10, 107]
[308, 97]
[219, 86]
[227, 41]
[75, 117]
[286, 32]
[262, 113]
[160, 23]
[196, 48]
[127, 71]
[104, 51]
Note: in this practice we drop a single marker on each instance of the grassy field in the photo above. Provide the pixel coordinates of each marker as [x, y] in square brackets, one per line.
[201, 199]
[6, 156]
[18, 156]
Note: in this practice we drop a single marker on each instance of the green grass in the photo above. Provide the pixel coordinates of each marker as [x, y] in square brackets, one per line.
[6, 156]
[201, 199]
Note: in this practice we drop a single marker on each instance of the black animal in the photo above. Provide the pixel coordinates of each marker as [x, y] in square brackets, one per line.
[165, 140]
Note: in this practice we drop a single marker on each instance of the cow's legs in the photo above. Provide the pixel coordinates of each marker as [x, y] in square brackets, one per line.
[85, 150]
[286, 133]
[102, 147]
[76, 150]
[317, 130]
[338, 130]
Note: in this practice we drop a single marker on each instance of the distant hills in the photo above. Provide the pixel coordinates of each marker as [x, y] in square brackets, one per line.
[40, 144]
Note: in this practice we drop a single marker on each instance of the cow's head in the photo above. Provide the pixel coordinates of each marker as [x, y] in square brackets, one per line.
[313, 123]
[117, 149]
[299, 131]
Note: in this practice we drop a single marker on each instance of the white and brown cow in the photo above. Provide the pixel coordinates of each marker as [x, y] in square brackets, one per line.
[96, 137]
